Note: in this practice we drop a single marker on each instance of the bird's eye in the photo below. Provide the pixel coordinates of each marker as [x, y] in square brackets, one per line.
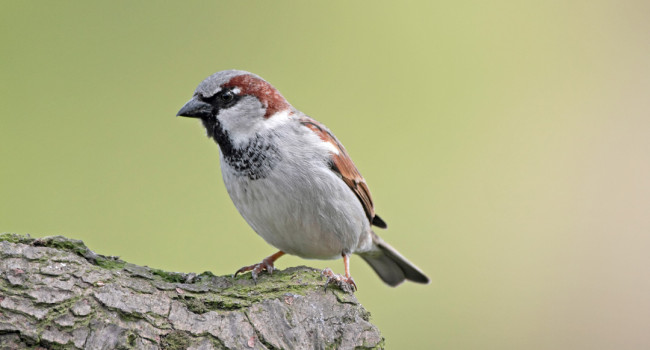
[227, 96]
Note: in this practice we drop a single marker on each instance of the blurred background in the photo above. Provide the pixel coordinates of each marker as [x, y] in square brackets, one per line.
[506, 143]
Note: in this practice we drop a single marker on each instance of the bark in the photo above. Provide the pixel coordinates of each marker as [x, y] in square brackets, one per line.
[56, 293]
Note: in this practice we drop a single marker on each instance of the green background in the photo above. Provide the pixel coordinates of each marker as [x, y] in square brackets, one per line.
[506, 143]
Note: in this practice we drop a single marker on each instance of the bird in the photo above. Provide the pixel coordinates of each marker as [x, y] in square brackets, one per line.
[292, 180]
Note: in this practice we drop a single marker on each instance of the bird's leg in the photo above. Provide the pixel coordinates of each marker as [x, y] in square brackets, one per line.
[344, 282]
[266, 264]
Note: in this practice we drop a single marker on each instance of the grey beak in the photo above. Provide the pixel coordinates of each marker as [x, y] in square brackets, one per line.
[195, 109]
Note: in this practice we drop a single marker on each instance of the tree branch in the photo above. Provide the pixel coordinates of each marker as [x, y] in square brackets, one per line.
[56, 293]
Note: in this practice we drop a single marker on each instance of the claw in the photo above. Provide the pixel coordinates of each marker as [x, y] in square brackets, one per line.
[265, 265]
[345, 283]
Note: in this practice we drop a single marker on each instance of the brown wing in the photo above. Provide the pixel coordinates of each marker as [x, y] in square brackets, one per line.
[341, 164]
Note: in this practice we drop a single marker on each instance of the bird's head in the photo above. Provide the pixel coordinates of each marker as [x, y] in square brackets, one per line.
[236, 105]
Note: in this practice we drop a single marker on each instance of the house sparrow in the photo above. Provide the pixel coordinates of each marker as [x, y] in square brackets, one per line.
[291, 179]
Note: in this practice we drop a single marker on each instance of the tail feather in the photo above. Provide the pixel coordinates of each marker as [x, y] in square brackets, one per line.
[391, 266]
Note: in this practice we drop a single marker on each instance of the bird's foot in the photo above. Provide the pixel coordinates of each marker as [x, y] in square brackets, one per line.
[266, 264]
[345, 283]
[256, 269]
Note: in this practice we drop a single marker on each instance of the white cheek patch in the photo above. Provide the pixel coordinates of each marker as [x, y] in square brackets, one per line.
[276, 120]
[246, 118]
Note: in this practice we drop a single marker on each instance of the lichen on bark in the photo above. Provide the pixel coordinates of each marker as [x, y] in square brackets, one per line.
[56, 293]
